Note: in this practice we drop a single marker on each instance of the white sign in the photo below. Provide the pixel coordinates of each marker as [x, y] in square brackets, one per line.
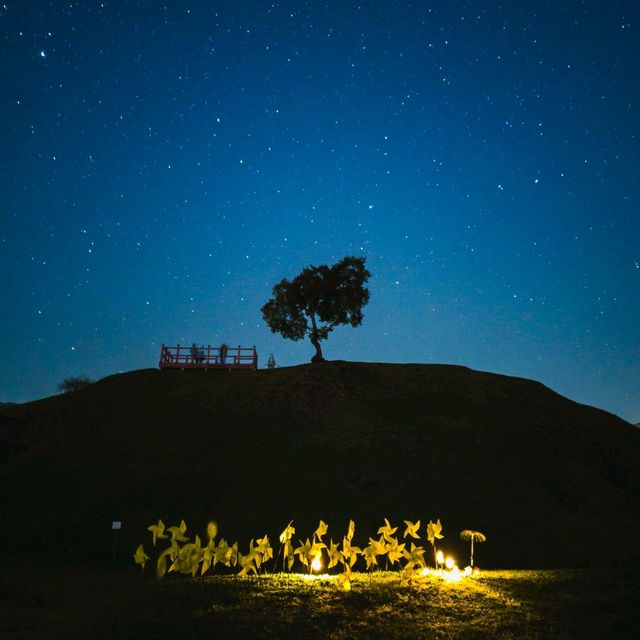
[116, 525]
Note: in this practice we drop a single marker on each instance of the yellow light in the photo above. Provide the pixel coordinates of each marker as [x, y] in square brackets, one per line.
[453, 576]
[439, 557]
[449, 563]
[316, 563]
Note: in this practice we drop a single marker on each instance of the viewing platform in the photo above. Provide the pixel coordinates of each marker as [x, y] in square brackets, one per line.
[201, 357]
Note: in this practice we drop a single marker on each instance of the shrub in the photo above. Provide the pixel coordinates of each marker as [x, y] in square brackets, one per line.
[74, 383]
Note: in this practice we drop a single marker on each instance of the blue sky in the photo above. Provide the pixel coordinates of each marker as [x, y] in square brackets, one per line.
[164, 165]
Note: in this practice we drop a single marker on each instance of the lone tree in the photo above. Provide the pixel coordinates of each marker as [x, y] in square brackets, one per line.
[317, 300]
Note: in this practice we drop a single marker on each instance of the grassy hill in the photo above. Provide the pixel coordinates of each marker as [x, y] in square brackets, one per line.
[549, 481]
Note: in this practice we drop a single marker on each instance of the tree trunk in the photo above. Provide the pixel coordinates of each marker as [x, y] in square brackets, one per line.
[472, 552]
[313, 336]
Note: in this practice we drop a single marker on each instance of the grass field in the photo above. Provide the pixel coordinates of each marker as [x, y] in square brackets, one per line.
[498, 604]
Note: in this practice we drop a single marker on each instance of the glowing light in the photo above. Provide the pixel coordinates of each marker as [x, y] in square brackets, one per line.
[449, 563]
[439, 557]
[453, 576]
[468, 571]
[316, 563]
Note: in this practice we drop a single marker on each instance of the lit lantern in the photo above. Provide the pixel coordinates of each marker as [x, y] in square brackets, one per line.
[316, 563]
[449, 563]
[439, 558]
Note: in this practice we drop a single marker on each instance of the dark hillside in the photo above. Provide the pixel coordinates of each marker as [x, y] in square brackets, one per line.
[550, 482]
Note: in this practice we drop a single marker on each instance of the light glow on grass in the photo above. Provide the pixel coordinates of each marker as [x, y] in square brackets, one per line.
[452, 572]
[453, 576]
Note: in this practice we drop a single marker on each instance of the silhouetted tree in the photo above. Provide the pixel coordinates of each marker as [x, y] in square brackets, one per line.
[74, 383]
[317, 300]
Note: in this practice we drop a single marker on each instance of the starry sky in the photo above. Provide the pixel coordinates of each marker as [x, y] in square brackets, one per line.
[164, 164]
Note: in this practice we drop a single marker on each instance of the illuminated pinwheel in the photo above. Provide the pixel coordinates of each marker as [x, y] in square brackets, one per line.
[412, 529]
[387, 530]
[414, 557]
[140, 557]
[285, 539]
[158, 531]
[433, 533]
[473, 536]
[321, 530]
[177, 533]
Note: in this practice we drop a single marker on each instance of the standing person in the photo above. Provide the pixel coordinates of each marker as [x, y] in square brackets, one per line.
[223, 353]
[194, 353]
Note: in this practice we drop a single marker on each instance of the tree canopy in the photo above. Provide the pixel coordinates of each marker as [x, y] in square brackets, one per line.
[317, 300]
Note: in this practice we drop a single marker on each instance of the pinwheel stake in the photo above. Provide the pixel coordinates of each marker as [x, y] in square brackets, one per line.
[434, 533]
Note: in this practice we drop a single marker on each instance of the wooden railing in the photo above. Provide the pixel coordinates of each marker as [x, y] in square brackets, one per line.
[201, 357]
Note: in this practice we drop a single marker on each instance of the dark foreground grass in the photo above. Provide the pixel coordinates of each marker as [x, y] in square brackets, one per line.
[498, 604]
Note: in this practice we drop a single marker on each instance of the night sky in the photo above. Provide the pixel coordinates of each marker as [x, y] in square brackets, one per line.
[164, 164]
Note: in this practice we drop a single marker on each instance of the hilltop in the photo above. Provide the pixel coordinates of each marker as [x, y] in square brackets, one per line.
[549, 481]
